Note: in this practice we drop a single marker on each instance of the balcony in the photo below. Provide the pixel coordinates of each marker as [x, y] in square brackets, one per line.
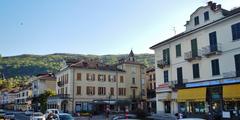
[189, 56]
[60, 96]
[60, 83]
[212, 50]
[231, 74]
[163, 63]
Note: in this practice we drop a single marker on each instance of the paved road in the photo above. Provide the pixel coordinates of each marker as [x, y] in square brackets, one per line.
[21, 116]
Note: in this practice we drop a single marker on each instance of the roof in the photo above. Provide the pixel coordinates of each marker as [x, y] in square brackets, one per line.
[46, 76]
[93, 64]
[225, 12]
[151, 69]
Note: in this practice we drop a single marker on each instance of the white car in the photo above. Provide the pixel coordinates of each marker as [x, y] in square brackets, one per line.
[54, 111]
[37, 116]
[29, 112]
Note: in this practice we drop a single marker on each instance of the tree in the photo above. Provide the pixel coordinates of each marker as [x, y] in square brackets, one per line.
[146, 62]
[42, 99]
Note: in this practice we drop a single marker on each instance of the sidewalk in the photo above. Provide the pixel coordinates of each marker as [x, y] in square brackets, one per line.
[95, 117]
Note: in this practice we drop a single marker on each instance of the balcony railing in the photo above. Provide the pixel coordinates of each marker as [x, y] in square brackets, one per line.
[163, 63]
[231, 74]
[60, 83]
[212, 49]
[60, 96]
[193, 55]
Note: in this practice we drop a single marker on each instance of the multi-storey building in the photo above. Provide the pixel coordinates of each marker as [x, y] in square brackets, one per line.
[88, 85]
[198, 70]
[42, 82]
[150, 79]
[23, 99]
[7, 98]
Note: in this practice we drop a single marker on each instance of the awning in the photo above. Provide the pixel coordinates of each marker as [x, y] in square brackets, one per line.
[231, 92]
[164, 96]
[193, 94]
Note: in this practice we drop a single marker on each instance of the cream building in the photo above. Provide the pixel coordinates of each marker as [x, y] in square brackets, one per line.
[23, 99]
[88, 85]
[197, 71]
[150, 78]
[42, 82]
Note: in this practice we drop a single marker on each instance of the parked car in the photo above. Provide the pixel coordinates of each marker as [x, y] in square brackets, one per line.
[29, 112]
[2, 113]
[54, 113]
[125, 117]
[9, 115]
[191, 119]
[65, 116]
[37, 116]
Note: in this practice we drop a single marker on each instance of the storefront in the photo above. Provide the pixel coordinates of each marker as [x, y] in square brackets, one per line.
[216, 99]
[191, 102]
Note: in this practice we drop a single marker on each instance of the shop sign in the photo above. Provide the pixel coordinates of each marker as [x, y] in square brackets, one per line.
[163, 87]
[226, 114]
[215, 82]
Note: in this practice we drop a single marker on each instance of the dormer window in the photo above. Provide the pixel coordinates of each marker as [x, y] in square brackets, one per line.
[206, 15]
[196, 20]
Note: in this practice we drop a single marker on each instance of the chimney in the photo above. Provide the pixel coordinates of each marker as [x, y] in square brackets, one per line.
[213, 7]
[219, 7]
[209, 3]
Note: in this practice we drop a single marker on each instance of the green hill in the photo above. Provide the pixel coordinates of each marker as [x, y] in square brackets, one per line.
[22, 66]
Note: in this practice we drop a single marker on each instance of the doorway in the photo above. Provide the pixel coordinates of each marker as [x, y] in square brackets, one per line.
[167, 106]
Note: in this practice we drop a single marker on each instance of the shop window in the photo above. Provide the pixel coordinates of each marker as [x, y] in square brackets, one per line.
[182, 107]
[196, 107]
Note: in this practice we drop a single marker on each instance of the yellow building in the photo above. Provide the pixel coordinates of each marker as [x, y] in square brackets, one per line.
[86, 85]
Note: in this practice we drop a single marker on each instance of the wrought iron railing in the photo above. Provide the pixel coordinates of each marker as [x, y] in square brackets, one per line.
[163, 63]
[192, 55]
[212, 49]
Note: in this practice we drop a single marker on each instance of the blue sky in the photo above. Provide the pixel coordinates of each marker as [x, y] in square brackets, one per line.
[92, 26]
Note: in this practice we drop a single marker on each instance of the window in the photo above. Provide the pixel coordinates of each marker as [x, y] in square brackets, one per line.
[78, 76]
[165, 74]
[150, 78]
[196, 71]
[78, 90]
[112, 91]
[236, 31]
[90, 90]
[179, 75]
[215, 67]
[206, 15]
[111, 78]
[194, 48]
[133, 80]
[154, 86]
[66, 90]
[213, 41]
[101, 91]
[101, 77]
[121, 79]
[178, 50]
[237, 64]
[150, 86]
[166, 55]
[154, 77]
[90, 76]
[196, 20]
[122, 91]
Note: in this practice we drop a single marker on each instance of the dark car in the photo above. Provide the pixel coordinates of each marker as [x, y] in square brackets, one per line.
[65, 116]
[9, 115]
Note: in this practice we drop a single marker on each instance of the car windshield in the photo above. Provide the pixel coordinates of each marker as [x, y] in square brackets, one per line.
[66, 117]
[37, 114]
[9, 113]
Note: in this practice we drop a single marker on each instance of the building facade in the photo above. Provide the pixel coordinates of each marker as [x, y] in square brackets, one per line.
[150, 78]
[23, 99]
[197, 71]
[89, 85]
[42, 82]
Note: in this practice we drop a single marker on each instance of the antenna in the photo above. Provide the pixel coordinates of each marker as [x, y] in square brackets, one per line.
[174, 30]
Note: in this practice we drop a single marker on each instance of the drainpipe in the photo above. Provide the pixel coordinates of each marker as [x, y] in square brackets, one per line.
[73, 90]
